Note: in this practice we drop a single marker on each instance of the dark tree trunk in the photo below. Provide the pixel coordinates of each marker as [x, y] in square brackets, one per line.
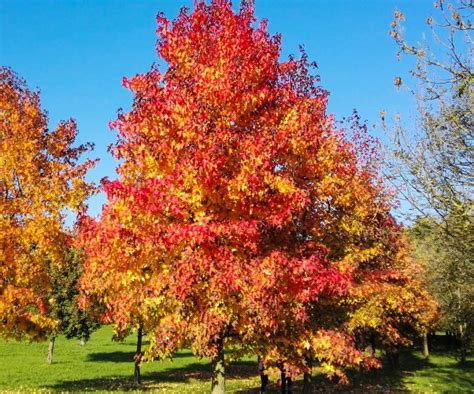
[51, 350]
[307, 377]
[373, 349]
[263, 375]
[462, 344]
[449, 341]
[138, 357]
[218, 377]
[426, 350]
[463, 354]
[393, 358]
[283, 379]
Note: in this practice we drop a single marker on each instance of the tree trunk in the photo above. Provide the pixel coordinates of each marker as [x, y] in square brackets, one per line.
[463, 354]
[218, 377]
[138, 357]
[289, 385]
[283, 379]
[449, 341]
[82, 342]
[462, 343]
[373, 350]
[393, 358]
[461, 331]
[51, 350]
[426, 351]
[307, 377]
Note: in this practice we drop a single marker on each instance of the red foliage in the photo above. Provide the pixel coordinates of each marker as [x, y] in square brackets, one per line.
[240, 209]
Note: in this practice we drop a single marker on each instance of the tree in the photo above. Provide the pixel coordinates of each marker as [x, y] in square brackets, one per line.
[73, 322]
[40, 178]
[117, 278]
[434, 164]
[446, 280]
[242, 214]
[397, 308]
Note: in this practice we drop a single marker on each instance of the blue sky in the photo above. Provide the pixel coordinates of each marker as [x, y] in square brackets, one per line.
[77, 51]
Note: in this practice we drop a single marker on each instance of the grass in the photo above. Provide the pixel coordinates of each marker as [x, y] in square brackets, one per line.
[441, 373]
[105, 365]
[102, 364]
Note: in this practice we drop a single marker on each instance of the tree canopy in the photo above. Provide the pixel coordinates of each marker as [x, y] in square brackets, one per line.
[41, 177]
[242, 213]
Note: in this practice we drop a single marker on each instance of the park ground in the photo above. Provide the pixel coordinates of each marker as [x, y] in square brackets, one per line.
[104, 365]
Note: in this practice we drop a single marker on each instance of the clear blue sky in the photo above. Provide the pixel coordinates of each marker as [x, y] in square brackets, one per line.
[77, 51]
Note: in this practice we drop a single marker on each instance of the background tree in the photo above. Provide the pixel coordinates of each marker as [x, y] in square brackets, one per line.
[242, 214]
[434, 161]
[396, 309]
[446, 279]
[73, 322]
[40, 178]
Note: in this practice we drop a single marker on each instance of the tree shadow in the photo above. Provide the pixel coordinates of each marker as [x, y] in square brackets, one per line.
[384, 380]
[192, 371]
[114, 357]
[390, 377]
[124, 357]
[200, 371]
[455, 376]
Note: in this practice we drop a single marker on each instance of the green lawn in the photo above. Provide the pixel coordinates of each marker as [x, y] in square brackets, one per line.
[105, 365]
[102, 364]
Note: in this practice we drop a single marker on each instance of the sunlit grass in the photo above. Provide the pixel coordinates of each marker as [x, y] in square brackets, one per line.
[106, 365]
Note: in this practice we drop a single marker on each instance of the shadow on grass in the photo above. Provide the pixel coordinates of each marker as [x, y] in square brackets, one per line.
[193, 371]
[114, 357]
[449, 375]
[452, 375]
[124, 357]
[391, 377]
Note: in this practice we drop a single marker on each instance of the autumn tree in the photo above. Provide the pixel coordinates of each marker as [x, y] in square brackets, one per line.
[118, 278]
[41, 177]
[433, 158]
[242, 214]
[393, 307]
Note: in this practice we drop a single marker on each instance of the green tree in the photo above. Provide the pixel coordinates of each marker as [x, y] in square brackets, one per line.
[446, 278]
[73, 322]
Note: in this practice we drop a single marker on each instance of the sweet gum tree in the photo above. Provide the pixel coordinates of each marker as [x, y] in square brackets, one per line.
[40, 177]
[242, 214]
[392, 307]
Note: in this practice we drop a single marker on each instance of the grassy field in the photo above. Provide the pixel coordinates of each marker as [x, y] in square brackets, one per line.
[105, 365]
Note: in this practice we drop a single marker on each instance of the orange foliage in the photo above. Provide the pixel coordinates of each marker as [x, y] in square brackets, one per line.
[39, 179]
[241, 211]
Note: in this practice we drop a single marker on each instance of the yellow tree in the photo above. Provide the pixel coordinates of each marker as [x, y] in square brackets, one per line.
[41, 178]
